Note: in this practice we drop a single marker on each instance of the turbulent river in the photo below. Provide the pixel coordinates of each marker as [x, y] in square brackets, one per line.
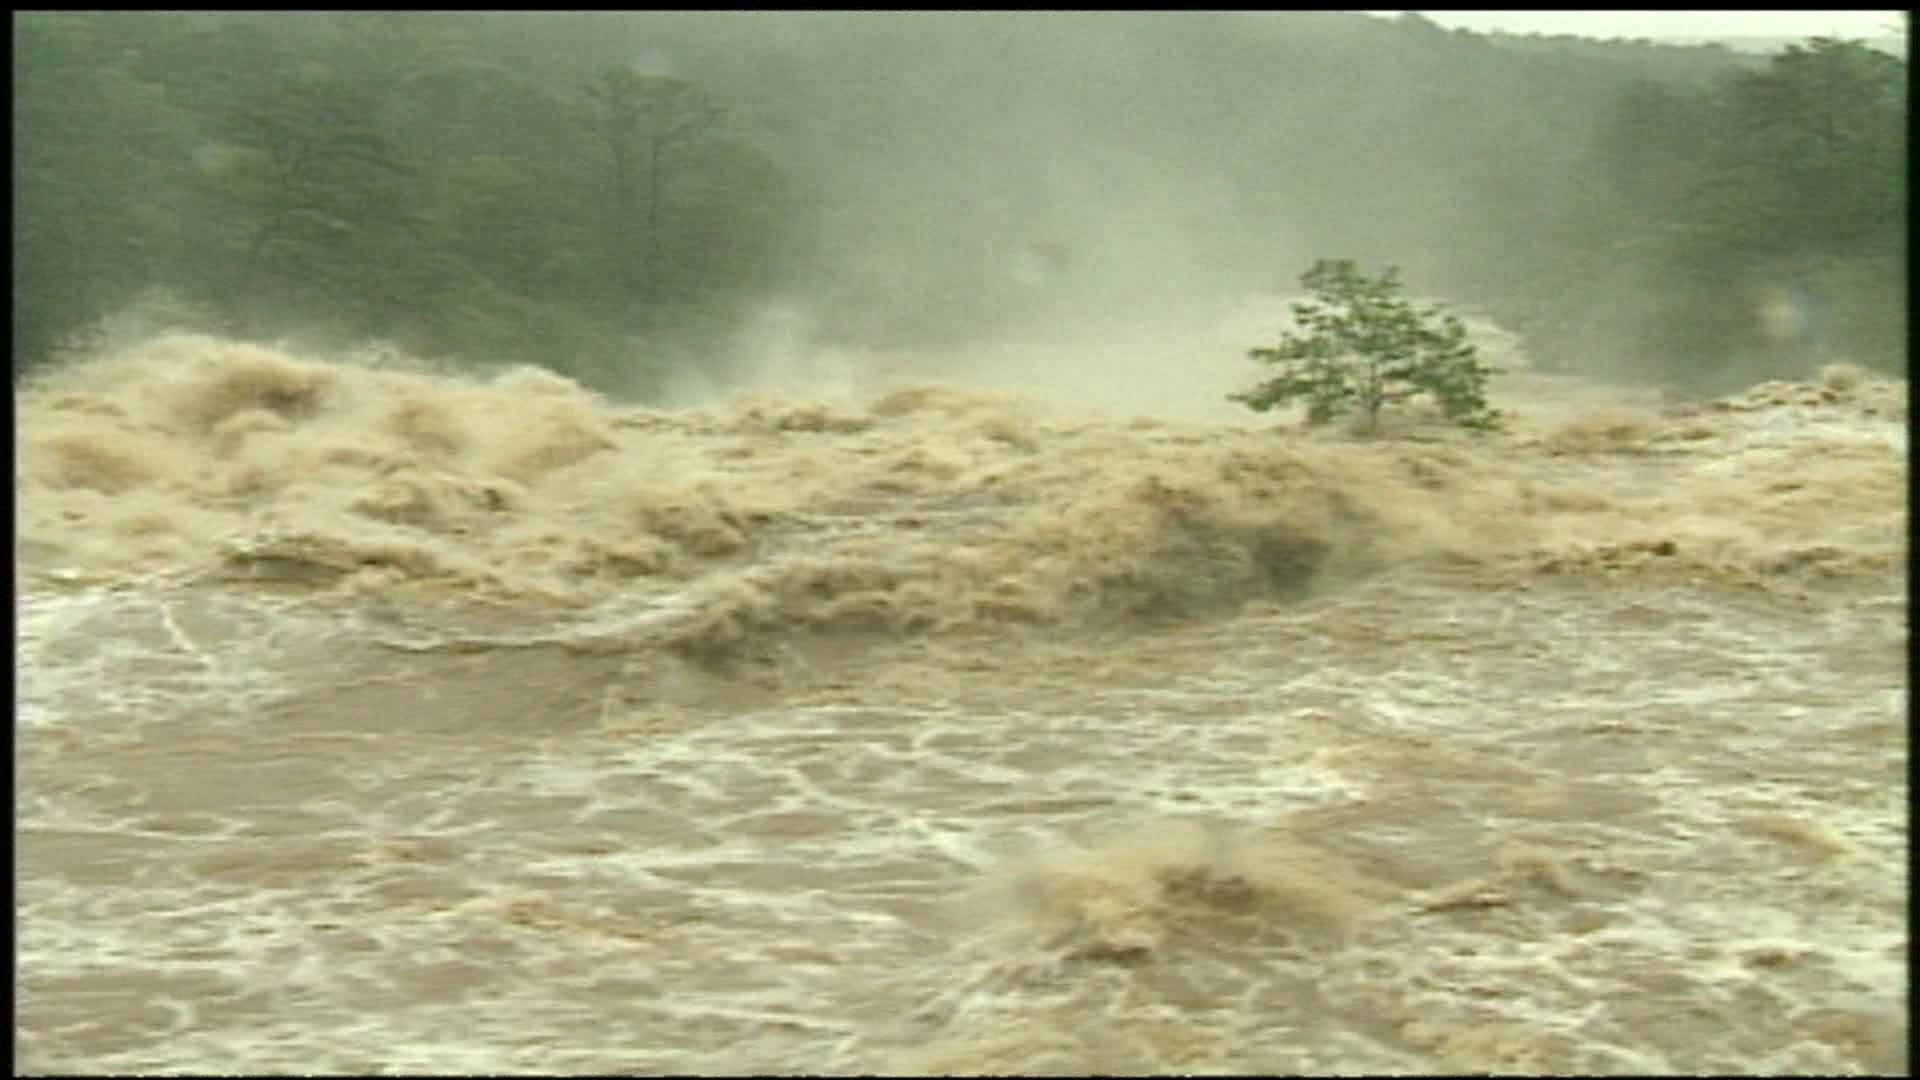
[376, 719]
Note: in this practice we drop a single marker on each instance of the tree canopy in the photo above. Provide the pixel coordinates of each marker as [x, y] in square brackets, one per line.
[608, 194]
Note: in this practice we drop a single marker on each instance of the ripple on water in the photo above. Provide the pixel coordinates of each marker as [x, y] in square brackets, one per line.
[1313, 838]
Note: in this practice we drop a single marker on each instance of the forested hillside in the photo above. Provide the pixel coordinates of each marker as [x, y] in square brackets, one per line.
[612, 194]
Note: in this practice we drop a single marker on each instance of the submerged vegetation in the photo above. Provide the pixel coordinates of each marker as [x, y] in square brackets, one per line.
[612, 195]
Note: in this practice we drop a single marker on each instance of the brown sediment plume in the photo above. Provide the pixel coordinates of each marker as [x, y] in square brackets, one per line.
[1161, 885]
[1601, 430]
[1844, 386]
[931, 508]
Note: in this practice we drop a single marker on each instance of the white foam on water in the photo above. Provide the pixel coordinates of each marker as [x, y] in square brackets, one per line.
[946, 736]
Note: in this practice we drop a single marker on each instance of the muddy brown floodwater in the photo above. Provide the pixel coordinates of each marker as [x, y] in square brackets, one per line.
[378, 720]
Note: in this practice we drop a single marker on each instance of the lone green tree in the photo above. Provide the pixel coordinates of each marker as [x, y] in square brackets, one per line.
[1361, 346]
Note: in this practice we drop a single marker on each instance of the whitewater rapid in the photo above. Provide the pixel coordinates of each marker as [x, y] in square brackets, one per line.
[383, 719]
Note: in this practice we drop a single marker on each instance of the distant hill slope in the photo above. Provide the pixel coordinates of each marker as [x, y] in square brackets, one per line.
[1894, 44]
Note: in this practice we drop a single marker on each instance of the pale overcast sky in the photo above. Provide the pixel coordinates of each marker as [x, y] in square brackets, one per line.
[1683, 24]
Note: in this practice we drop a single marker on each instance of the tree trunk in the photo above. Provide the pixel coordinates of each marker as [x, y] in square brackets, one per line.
[653, 223]
[623, 213]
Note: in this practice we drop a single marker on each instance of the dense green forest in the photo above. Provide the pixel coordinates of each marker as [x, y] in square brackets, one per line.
[612, 194]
